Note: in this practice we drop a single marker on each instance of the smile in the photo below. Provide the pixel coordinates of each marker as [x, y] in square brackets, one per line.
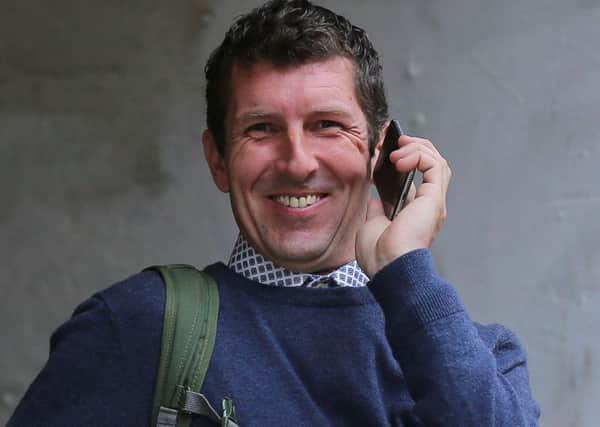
[297, 202]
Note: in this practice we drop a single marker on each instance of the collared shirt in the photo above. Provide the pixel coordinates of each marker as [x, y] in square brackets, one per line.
[246, 261]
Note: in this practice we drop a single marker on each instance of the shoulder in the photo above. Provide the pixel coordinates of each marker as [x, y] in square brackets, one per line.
[136, 303]
[140, 295]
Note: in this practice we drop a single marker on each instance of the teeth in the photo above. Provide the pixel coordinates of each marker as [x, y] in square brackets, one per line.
[297, 202]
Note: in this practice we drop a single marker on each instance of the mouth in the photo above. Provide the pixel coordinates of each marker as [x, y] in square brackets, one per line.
[297, 202]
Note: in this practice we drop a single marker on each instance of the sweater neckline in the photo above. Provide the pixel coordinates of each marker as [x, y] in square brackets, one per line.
[296, 296]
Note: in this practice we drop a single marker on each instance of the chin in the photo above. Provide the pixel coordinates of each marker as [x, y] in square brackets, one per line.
[297, 254]
[294, 256]
[304, 258]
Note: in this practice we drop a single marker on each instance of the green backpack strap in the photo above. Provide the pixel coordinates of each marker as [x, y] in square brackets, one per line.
[188, 338]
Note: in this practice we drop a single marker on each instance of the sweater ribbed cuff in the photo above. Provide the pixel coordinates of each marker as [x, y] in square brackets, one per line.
[412, 294]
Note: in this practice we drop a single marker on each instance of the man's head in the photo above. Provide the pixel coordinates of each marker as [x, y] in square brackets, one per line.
[295, 109]
[288, 33]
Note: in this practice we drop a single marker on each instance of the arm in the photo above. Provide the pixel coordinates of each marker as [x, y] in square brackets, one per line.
[78, 382]
[457, 372]
[101, 366]
[454, 376]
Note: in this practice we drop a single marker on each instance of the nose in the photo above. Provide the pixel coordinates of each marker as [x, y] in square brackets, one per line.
[297, 157]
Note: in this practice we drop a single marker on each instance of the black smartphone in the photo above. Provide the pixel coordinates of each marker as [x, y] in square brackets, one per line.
[392, 186]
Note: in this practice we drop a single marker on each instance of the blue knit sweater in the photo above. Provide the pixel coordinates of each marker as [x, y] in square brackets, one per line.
[400, 352]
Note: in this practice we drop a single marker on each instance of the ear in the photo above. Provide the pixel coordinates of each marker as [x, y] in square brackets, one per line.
[216, 162]
[379, 144]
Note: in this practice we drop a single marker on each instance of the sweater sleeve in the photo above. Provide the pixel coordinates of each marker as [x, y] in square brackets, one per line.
[100, 369]
[79, 381]
[457, 372]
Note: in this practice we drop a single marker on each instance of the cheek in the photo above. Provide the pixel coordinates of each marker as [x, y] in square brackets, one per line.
[247, 164]
[349, 163]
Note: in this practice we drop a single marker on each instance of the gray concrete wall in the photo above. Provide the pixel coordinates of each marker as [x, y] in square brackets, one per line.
[101, 169]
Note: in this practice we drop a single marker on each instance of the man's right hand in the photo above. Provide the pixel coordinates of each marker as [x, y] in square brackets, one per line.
[379, 240]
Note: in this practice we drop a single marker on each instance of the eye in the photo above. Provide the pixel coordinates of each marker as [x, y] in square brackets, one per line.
[328, 124]
[259, 130]
[328, 127]
[260, 127]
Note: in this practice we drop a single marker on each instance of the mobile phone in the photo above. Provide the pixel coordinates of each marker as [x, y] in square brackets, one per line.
[392, 186]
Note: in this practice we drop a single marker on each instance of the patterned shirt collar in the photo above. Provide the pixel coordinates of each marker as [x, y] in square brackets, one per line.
[246, 261]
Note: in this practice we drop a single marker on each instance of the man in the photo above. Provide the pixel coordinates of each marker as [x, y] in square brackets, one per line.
[330, 313]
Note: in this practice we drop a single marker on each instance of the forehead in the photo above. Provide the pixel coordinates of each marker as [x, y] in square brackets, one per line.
[255, 69]
[320, 81]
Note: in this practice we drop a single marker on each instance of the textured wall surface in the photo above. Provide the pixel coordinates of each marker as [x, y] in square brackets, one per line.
[102, 173]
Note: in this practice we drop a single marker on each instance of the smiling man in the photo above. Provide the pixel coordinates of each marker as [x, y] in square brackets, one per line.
[330, 313]
[296, 161]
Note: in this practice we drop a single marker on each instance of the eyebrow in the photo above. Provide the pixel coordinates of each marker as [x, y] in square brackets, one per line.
[254, 115]
[331, 112]
[262, 115]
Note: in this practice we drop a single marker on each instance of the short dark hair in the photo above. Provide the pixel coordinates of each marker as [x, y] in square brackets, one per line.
[288, 33]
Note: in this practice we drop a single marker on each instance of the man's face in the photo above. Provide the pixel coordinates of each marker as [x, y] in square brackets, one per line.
[296, 162]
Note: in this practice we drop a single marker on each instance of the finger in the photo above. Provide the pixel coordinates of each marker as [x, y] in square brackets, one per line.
[421, 160]
[410, 148]
[431, 148]
[435, 168]
[409, 156]
[406, 139]
[434, 179]
[447, 177]
[427, 145]
[420, 153]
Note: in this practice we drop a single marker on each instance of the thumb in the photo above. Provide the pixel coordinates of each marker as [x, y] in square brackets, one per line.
[374, 209]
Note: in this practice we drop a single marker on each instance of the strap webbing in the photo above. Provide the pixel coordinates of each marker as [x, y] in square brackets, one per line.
[167, 417]
[188, 337]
